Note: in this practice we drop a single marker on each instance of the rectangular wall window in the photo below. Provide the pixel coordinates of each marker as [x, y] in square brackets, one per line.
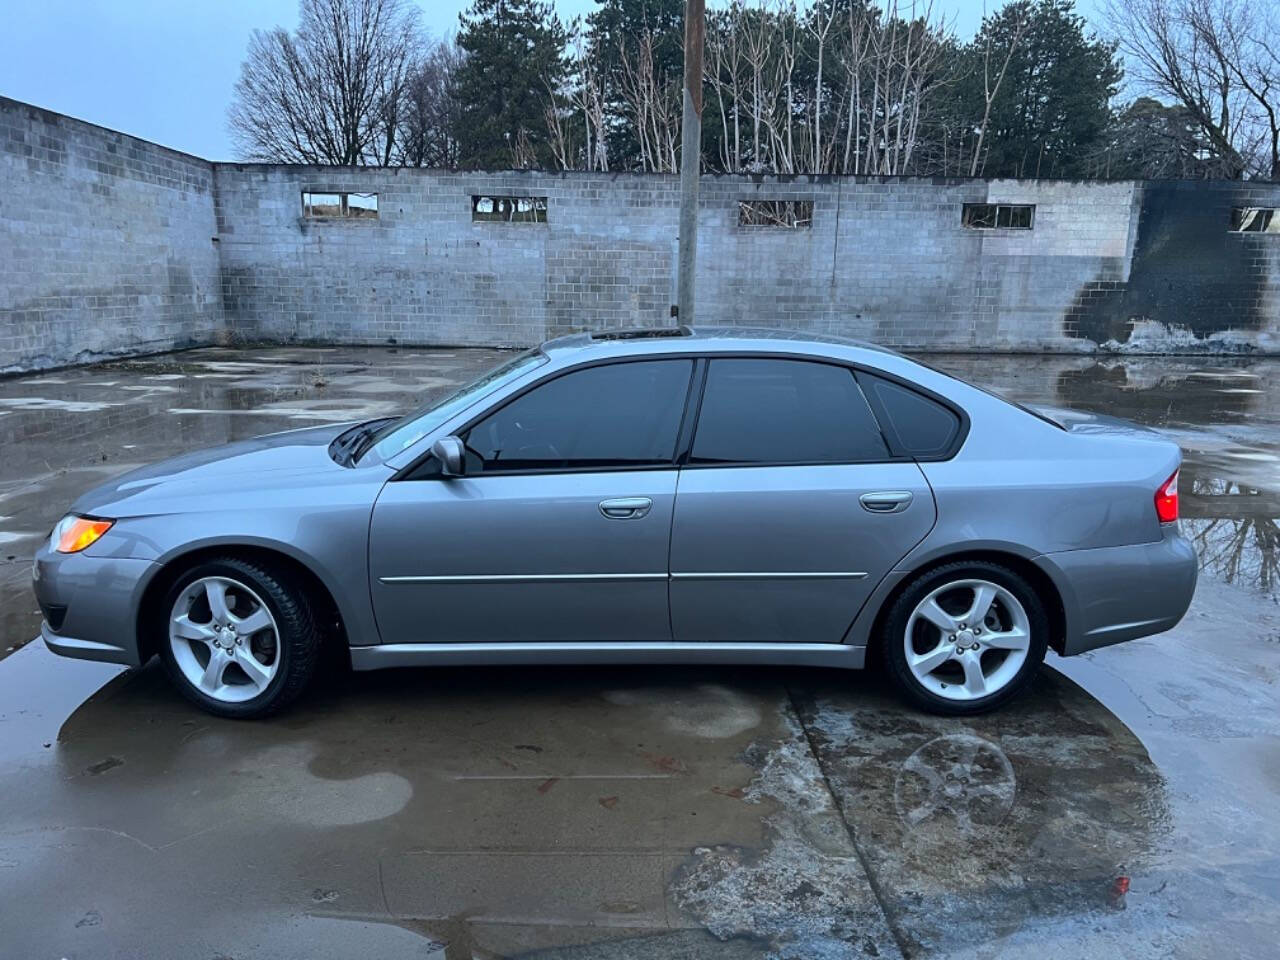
[1254, 220]
[509, 209]
[990, 216]
[339, 206]
[775, 213]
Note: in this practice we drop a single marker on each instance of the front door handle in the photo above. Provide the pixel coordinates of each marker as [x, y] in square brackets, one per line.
[626, 508]
[886, 501]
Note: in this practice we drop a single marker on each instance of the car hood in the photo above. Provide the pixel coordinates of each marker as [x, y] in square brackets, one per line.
[270, 461]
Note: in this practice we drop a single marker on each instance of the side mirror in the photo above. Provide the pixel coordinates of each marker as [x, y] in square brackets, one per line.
[452, 456]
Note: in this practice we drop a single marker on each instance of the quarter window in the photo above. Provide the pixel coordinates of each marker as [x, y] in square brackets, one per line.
[916, 425]
[607, 417]
[784, 411]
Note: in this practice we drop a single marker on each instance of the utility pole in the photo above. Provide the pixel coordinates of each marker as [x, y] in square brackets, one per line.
[690, 156]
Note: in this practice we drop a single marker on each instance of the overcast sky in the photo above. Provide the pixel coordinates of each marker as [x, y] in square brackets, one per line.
[164, 70]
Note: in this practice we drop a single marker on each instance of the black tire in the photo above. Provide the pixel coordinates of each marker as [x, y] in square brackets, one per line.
[893, 636]
[300, 636]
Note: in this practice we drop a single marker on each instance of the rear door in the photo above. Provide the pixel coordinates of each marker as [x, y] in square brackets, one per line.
[559, 530]
[790, 508]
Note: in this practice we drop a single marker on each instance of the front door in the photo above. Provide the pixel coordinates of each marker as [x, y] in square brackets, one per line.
[791, 509]
[560, 529]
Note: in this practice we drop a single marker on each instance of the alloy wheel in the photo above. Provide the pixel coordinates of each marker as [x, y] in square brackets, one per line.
[224, 639]
[967, 639]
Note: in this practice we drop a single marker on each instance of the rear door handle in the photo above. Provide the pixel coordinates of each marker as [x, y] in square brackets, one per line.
[886, 501]
[626, 508]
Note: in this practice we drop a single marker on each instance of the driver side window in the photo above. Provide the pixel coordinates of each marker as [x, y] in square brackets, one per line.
[614, 416]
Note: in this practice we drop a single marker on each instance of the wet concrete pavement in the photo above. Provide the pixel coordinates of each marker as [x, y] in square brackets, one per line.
[642, 812]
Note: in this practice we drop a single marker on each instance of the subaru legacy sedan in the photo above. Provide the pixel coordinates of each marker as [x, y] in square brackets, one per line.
[674, 496]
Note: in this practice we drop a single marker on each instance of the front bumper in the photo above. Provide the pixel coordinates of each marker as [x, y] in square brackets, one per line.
[1113, 594]
[93, 603]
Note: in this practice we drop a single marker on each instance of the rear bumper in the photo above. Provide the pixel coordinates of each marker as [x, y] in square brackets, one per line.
[1113, 594]
[94, 603]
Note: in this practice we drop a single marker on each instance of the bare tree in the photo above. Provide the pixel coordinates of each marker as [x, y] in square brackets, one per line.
[990, 87]
[856, 53]
[578, 105]
[906, 49]
[653, 104]
[428, 114]
[1243, 36]
[723, 70]
[331, 93]
[1184, 50]
[841, 87]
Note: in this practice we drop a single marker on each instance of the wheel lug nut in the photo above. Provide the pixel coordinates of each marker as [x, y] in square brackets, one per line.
[952, 638]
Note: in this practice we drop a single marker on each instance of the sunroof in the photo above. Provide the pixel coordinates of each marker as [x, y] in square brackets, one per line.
[651, 333]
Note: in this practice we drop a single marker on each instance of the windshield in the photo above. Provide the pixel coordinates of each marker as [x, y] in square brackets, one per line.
[412, 427]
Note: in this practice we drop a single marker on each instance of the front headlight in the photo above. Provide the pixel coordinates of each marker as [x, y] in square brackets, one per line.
[73, 533]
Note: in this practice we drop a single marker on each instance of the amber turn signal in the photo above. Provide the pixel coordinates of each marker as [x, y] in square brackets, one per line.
[73, 534]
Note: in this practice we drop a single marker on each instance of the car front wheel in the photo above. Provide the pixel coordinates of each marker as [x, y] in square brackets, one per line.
[965, 638]
[241, 638]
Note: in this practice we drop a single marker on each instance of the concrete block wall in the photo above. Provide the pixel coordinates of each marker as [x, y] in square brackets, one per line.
[106, 243]
[885, 259]
[1113, 266]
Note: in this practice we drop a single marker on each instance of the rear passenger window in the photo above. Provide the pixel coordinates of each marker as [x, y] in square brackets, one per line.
[784, 411]
[916, 425]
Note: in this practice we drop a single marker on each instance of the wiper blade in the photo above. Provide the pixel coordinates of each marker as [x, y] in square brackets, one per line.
[347, 447]
[364, 441]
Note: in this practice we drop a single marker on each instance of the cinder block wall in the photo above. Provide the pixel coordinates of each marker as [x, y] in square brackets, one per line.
[885, 259]
[106, 243]
[1118, 266]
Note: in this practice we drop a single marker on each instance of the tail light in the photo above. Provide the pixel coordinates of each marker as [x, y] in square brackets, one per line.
[1167, 500]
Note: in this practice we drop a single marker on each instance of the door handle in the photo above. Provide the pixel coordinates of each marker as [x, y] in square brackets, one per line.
[625, 508]
[886, 501]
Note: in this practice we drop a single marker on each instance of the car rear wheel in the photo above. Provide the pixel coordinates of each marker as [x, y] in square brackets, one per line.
[965, 638]
[241, 640]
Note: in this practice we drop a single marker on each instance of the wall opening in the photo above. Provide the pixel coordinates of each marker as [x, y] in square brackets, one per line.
[998, 216]
[495, 209]
[1254, 220]
[793, 214]
[339, 206]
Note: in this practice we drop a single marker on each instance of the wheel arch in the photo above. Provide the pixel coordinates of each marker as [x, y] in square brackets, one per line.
[1042, 582]
[150, 619]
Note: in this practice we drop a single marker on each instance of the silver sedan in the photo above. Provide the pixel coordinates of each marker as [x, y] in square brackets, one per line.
[693, 496]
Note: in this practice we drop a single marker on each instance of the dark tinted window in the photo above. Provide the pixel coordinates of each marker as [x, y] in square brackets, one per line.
[920, 427]
[620, 415]
[784, 411]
